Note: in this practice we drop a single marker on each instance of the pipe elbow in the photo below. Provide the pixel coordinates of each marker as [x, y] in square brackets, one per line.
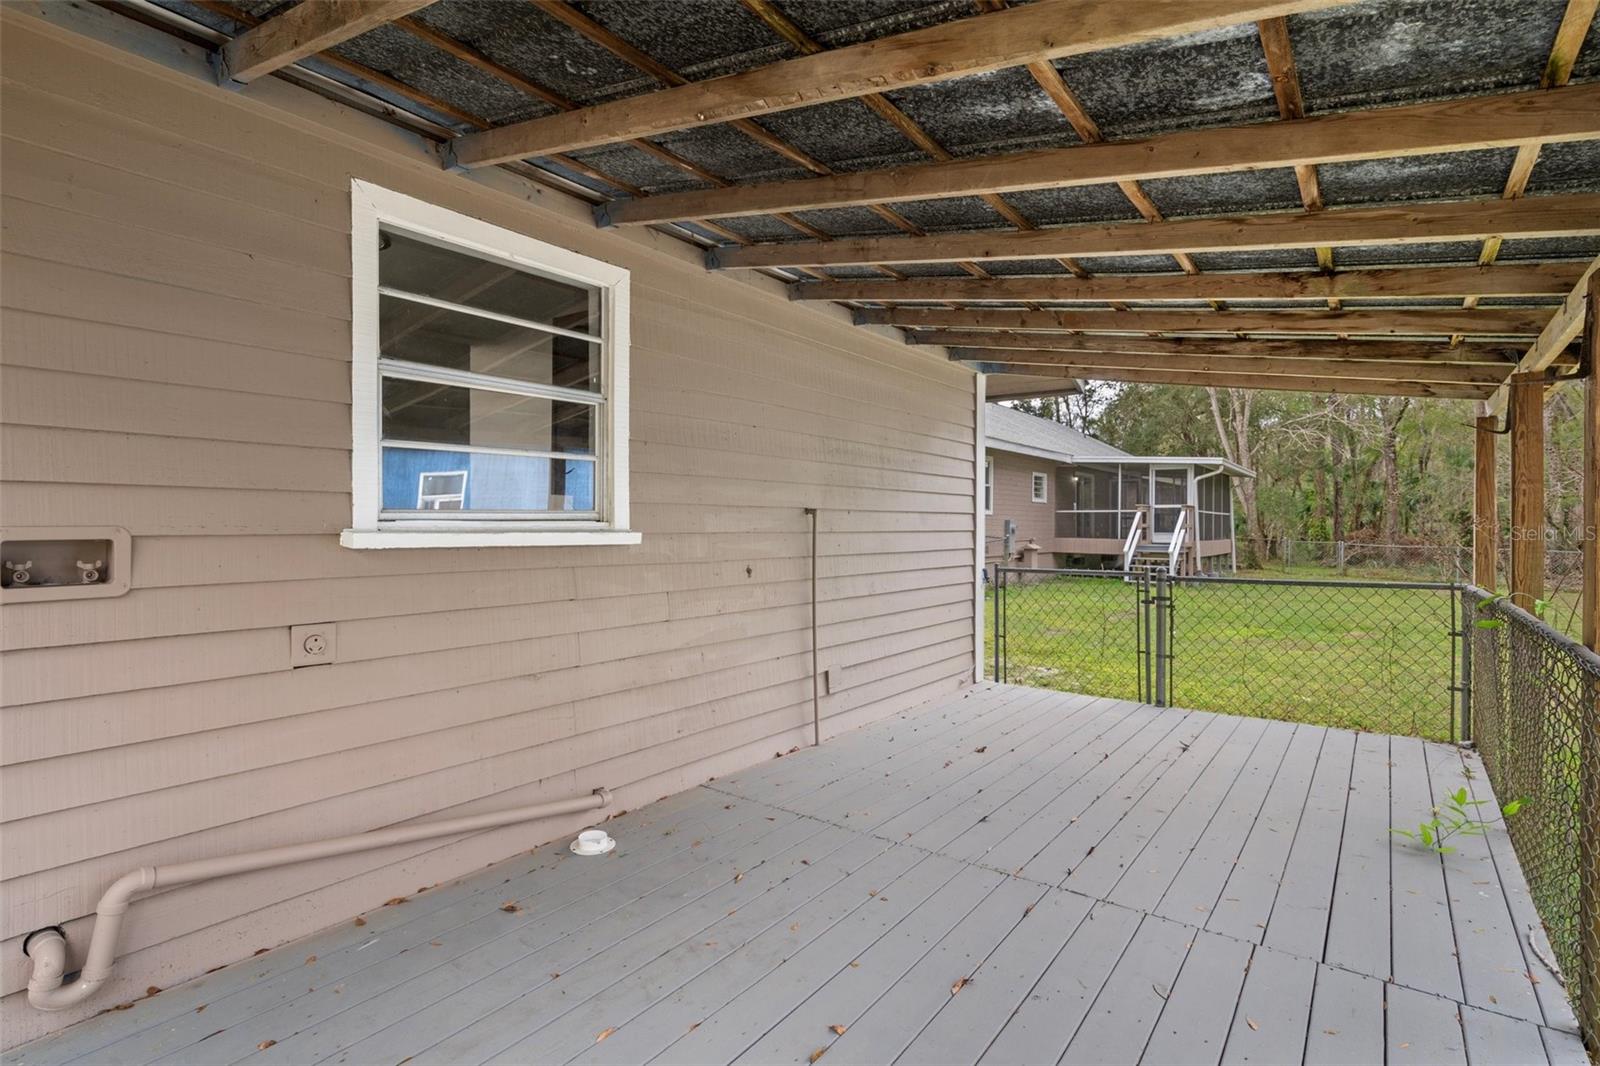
[47, 948]
[115, 900]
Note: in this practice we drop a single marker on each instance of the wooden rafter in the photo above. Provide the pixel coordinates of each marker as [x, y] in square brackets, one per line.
[1558, 70]
[1495, 357]
[1563, 327]
[302, 31]
[597, 34]
[1354, 369]
[1572, 113]
[1500, 322]
[1045, 30]
[1550, 279]
[1545, 216]
[1281, 382]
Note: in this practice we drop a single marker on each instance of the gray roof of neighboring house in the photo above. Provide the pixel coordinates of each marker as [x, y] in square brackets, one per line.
[1008, 430]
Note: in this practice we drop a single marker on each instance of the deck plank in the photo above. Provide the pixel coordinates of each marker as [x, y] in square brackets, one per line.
[888, 1027]
[1202, 831]
[675, 1010]
[1346, 1019]
[852, 989]
[1119, 1024]
[1485, 932]
[1358, 936]
[1193, 1027]
[1246, 854]
[1496, 1040]
[1424, 948]
[1042, 1027]
[757, 1008]
[1274, 1009]
[1126, 822]
[967, 1023]
[1183, 752]
[1289, 911]
[1017, 832]
[1422, 1030]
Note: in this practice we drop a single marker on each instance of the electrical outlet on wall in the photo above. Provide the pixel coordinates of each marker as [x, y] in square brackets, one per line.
[313, 645]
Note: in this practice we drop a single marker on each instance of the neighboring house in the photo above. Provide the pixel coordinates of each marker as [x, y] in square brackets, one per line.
[1075, 501]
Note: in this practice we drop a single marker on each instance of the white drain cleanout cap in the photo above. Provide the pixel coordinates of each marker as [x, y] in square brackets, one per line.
[593, 842]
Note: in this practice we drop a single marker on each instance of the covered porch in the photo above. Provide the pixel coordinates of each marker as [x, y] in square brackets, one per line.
[1002, 875]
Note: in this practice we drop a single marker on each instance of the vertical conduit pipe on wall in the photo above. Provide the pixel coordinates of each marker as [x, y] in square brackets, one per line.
[816, 669]
[47, 947]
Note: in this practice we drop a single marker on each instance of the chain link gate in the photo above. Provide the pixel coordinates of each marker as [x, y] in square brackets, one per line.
[1383, 656]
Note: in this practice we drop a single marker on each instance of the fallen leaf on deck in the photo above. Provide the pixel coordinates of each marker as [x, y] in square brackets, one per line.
[200, 1008]
[738, 876]
[310, 959]
[510, 906]
[856, 965]
[817, 1054]
[265, 1044]
[602, 1034]
[838, 1029]
[980, 751]
[395, 902]
[1251, 1022]
[959, 985]
[361, 921]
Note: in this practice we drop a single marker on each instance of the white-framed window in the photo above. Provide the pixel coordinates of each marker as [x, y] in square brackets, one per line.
[988, 484]
[442, 490]
[1041, 487]
[489, 384]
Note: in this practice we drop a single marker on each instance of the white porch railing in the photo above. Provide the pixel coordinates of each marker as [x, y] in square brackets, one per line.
[1130, 545]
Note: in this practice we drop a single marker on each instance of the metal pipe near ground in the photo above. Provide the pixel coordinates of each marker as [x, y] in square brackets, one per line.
[47, 948]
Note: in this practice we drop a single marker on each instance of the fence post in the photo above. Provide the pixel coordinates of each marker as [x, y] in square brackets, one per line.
[1288, 554]
[1338, 557]
[1463, 632]
[1161, 608]
[999, 607]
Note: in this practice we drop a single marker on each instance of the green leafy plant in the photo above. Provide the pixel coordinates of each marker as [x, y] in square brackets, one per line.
[1457, 817]
[1539, 607]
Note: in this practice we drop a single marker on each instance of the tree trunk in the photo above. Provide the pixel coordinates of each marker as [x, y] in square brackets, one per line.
[1234, 433]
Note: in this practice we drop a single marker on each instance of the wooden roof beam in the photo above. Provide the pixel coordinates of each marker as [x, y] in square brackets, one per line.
[1548, 279]
[1497, 358]
[1544, 216]
[1499, 322]
[302, 31]
[1563, 327]
[1280, 383]
[1045, 30]
[1352, 369]
[1468, 124]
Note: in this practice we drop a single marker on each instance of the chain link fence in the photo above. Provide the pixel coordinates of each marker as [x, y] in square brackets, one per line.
[1362, 560]
[1535, 718]
[1369, 655]
[1071, 630]
[1359, 655]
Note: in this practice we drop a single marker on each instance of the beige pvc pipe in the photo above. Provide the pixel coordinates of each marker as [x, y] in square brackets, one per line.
[48, 947]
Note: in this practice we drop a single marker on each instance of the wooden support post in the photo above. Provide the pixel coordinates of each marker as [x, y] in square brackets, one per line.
[1589, 731]
[1591, 477]
[1485, 510]
[1527, 490]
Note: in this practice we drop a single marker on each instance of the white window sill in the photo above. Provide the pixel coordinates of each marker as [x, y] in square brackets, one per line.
[482, 538]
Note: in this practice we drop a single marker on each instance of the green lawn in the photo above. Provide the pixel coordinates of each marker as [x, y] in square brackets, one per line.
[1351, 656]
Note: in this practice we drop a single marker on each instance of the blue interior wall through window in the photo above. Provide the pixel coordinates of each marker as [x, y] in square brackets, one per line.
[494, 482]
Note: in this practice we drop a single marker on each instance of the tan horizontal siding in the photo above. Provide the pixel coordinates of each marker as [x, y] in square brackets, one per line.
[174, 295]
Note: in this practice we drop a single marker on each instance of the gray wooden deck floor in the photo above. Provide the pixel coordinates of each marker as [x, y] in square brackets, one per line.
[1006, 876]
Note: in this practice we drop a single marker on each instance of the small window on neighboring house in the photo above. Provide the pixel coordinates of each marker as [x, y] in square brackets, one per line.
[1041, 488]
[489, 389]
[988, 485]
